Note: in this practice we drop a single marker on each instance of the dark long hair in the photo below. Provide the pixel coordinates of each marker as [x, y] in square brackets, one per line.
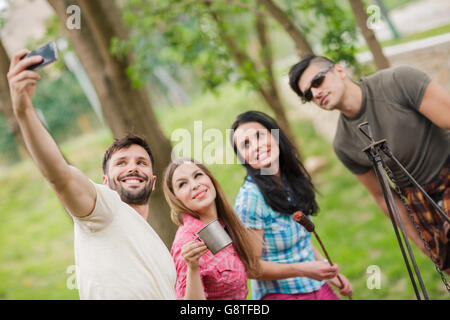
[291, 170]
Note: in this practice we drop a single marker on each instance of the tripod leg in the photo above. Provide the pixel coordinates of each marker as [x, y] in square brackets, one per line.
[378, 167]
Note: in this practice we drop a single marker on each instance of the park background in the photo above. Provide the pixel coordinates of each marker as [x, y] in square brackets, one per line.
[161, 66]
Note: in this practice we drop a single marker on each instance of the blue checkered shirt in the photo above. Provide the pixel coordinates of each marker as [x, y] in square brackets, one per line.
[285, 241]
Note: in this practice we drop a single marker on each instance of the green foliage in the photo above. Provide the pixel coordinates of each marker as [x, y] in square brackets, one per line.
[332, 25]
[177, 33]
[171, 34]
[58, 96]
[62, 101]
[184, 33]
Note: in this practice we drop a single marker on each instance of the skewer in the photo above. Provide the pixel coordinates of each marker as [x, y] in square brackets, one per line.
[302, 219]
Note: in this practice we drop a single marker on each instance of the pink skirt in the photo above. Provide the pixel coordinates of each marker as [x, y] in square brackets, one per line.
[324, 293]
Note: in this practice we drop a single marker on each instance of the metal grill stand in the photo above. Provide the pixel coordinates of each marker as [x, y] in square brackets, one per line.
[373, 153]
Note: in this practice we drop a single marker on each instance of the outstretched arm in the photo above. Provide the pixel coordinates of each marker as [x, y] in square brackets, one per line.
[72, 187]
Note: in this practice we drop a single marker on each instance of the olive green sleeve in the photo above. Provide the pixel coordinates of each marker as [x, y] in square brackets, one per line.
[409, 86]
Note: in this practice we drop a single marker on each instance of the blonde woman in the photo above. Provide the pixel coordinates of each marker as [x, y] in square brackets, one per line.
[196, 199]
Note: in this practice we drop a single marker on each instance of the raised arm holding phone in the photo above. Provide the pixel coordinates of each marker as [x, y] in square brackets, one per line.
[117, 253]
[72, 186]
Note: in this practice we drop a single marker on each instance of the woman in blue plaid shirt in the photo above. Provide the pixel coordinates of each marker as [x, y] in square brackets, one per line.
[276, 186]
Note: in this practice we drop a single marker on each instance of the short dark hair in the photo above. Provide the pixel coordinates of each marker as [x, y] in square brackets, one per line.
[297, 70]
[123, 143]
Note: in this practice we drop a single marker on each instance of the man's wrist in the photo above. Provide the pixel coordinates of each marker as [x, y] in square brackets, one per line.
[23, 110]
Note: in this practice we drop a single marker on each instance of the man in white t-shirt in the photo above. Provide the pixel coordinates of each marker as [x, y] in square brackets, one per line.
[118, 255]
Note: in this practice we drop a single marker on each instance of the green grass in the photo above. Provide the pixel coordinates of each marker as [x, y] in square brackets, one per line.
[36, 235]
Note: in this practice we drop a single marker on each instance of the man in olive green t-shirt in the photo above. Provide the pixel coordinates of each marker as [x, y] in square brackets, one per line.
[405, 107]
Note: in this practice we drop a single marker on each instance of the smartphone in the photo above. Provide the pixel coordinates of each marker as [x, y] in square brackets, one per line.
[49, 52]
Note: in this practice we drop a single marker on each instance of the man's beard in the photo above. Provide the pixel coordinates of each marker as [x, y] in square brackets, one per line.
[132, 196]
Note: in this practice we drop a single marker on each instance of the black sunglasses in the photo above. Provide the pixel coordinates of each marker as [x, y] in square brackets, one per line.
[315, 83]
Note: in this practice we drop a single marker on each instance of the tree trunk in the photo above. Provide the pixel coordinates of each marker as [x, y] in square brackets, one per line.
[270, 91]
[125, 108]
[361, 19]
[267, 91]
[301, 44]
[5, 99]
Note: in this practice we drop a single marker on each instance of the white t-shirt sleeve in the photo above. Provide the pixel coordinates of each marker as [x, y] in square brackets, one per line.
[106, 203]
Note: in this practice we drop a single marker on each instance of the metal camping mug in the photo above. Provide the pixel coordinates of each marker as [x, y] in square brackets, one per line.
[214, 236]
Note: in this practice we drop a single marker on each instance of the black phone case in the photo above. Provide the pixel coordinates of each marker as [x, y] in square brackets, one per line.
[48, 52]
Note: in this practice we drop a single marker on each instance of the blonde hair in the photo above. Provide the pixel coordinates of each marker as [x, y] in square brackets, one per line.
[225, 212]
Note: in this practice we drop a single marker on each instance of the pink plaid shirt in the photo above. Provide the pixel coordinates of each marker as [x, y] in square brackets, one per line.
[223, 275]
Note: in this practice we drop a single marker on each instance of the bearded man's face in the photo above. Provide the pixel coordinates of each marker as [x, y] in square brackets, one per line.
[130, 173]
